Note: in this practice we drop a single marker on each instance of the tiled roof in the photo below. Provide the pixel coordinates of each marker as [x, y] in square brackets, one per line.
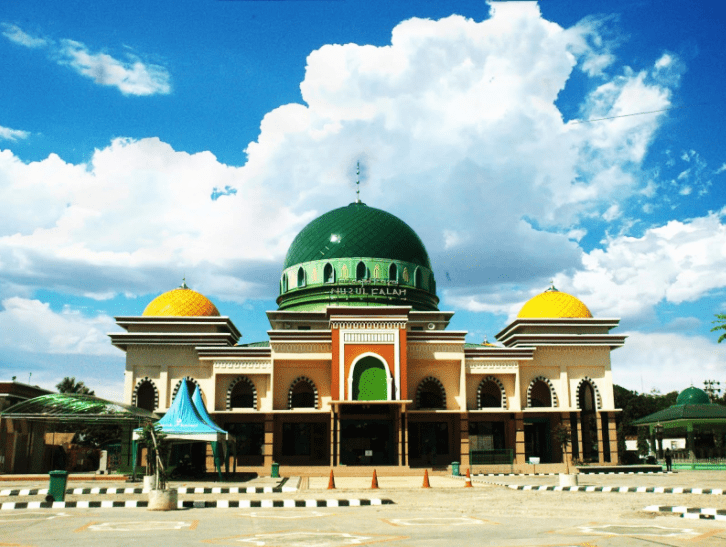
[181, 302]
[357, 231]
[685, 412]
[554, 304]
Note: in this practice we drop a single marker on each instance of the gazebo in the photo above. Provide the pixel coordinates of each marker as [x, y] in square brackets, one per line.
[188, 421]
[695, 418]
[71, 408]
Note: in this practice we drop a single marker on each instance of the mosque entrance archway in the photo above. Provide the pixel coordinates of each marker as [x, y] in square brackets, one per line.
[370, 380]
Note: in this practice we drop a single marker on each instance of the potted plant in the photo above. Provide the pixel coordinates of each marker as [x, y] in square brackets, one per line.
[563, 436]
[161, 498]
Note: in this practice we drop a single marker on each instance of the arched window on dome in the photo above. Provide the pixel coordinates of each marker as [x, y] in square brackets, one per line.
[329, 273]
[300, 277]
[432, 284]
[361, 272]
[418, 278]
[283, 283]
[393, 273]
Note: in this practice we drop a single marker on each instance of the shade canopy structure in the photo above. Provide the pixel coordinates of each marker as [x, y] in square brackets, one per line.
[693, 417]
[187, 420]
[74, 407]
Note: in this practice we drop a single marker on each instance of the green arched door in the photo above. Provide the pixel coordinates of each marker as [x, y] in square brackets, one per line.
[370, 381]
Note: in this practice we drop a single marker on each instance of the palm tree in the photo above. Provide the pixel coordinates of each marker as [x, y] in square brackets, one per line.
[69, 385]
[720, 325]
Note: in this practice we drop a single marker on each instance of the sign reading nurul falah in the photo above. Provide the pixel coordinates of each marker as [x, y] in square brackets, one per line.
[382, 291]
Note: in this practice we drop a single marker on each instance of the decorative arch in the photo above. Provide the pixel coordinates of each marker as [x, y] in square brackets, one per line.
[405, 274]
[361, 271]
[496, 381]
[595, 390]
[553, 393]
[360, 359]
[393, 272]
[344, 272]
[437, 383]
[178, 385]
[141, 382]
[418, 278]
[294, 384]
[241, 380]
[377, 271]
[328, 273]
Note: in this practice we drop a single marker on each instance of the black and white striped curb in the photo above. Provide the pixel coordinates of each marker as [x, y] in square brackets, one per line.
[690, 512]
[197, 504]
[181, 490]
[637, 489]
[555, 474]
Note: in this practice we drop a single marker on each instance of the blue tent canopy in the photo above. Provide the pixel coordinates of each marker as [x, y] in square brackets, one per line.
[187, 420]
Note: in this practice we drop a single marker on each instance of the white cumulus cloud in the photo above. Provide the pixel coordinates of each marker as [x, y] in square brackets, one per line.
[30, 325]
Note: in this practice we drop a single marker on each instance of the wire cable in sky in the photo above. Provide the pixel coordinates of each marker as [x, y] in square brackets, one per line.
[635, 114]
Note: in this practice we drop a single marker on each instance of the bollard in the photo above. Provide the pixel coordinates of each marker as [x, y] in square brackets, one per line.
[331, 482]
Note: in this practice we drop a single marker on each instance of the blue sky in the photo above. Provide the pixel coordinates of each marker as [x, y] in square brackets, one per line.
[150, 141]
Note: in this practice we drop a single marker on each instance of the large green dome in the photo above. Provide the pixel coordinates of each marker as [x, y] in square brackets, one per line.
[357, 231]
[693, 396]
[357, 256]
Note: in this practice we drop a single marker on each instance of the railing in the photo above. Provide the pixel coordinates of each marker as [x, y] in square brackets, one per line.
[503, 456]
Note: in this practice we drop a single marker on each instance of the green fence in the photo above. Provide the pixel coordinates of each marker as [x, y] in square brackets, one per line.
[504, 456]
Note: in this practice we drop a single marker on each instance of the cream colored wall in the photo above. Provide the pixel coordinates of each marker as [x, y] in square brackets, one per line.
[166, 365]
[287, 371]
[565, 367]
[447, 372]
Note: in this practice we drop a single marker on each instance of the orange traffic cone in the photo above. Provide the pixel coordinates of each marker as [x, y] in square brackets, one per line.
[426, 479]
[331, 482]
[374, 482]
[467, 481]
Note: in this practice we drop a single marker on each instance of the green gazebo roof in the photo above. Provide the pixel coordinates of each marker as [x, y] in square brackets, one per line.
[685, 412]
[74, 407]
[357, 231]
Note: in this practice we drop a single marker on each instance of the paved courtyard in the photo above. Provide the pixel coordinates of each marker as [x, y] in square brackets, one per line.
[447, 513]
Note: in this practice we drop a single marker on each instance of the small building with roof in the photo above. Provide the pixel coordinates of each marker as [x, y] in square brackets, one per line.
[361, 368]
[694, 418]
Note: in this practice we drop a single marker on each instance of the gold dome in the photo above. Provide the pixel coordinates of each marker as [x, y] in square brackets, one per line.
[554, 304]
[181, 302]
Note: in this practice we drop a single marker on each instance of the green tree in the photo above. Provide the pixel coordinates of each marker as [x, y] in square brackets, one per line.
[69, 385]
[562, 435]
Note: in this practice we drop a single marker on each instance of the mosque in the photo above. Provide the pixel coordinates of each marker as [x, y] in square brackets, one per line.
[361, 369]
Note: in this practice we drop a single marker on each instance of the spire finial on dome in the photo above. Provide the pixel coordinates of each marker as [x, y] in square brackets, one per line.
[184, 283]
[552, 287]
[357, 182]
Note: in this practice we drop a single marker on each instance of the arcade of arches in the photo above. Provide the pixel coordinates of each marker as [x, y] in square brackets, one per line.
[361, 367]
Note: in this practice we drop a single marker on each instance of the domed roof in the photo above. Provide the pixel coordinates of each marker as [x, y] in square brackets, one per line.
[357, 231]
[693, 396]
[181, 302]
[554, 304]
